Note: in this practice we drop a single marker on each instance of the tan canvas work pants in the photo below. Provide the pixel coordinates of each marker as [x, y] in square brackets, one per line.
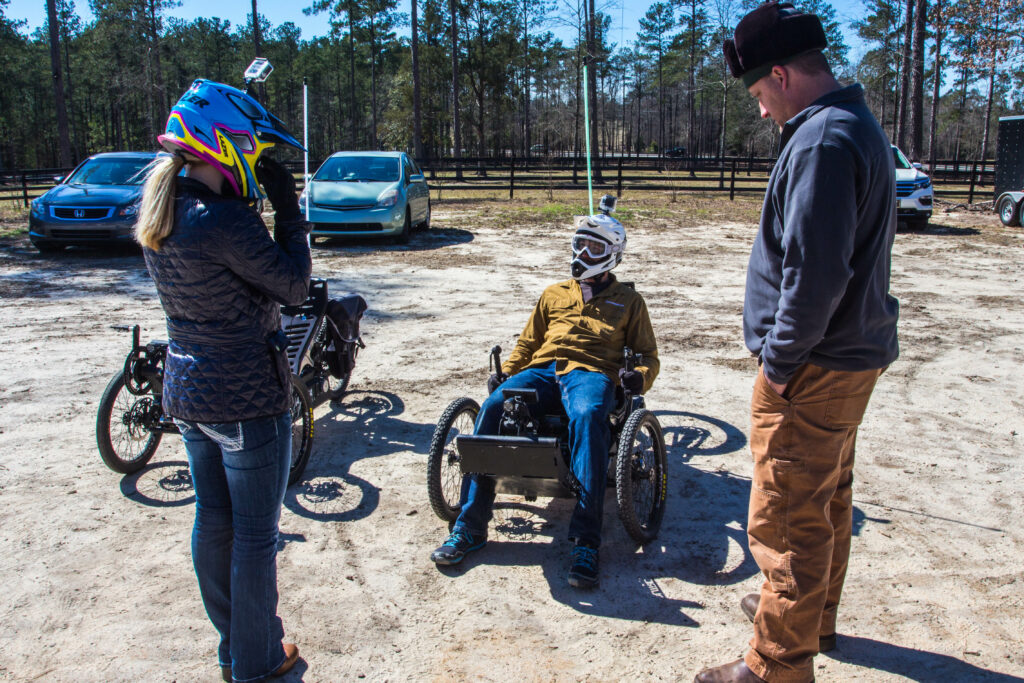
[801, 512]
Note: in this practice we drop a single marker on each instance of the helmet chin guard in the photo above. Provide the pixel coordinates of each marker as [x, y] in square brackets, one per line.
[597, 245]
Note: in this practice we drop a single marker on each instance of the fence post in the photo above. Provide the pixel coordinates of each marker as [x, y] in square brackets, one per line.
[512, 179]
[24, 189]
[974, 173]
[732, 182]
[618, 190]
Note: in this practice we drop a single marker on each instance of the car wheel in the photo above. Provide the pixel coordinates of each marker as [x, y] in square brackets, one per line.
[403, 237]
[1009, 212]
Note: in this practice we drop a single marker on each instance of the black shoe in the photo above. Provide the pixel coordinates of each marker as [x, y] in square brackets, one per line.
[455, 548]
[583, 573]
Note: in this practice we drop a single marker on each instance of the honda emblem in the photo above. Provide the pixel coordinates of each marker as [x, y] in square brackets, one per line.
[79, 213]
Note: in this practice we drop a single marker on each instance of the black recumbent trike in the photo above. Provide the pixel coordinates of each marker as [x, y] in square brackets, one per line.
[530, 455]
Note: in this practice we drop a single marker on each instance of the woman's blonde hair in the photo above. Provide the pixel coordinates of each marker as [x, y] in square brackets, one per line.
[156, 214]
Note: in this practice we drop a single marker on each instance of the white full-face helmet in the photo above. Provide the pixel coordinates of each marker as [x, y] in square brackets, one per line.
[597, 245]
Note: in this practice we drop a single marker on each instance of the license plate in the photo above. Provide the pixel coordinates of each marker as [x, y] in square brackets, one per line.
[907, 204]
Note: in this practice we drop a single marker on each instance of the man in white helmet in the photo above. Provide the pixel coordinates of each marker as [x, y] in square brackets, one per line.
[570, 352]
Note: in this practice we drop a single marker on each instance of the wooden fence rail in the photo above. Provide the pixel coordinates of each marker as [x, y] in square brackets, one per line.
[731, 175]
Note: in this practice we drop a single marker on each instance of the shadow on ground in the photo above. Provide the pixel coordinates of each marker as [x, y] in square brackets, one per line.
[362, 424]
[912, 664]
[702, 539]
[423, 240]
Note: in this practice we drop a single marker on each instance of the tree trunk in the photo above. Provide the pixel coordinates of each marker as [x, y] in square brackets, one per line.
[257, 45]
[692, 87]
[63, 133]
[457, 123]
[592, 89]
[901, 122]
[373, 82]
[917, 82]
[417, 122]
[526, 79]
[351, 74]
[936, 82]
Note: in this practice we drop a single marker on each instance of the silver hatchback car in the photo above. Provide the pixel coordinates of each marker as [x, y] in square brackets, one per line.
[367, 194]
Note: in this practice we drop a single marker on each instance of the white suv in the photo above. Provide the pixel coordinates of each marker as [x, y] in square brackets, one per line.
[914, 193]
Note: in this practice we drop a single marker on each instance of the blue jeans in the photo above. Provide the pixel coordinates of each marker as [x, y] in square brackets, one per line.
[240, 472]
[588, 398]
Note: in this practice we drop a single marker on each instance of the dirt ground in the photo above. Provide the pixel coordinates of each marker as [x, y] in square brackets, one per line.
[97, 583]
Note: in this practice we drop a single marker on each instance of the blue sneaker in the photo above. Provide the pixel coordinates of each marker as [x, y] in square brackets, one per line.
[583, 572]
[455, 548]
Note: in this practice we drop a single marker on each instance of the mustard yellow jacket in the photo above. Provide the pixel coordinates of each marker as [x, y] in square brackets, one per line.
[589, 336]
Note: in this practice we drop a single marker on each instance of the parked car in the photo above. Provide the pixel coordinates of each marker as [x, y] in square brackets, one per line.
[675, 152]
[914, 192]
[367, 194]
[95, 205]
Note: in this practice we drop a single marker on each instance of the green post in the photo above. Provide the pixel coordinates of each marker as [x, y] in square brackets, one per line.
[586, 126]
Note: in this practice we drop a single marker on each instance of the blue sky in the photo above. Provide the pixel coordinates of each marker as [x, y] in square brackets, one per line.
[625, 15]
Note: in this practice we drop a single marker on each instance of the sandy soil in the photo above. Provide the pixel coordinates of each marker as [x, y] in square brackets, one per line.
[95, 567]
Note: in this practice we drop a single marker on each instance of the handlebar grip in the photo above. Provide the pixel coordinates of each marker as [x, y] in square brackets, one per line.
[627, 358]
[496, 359]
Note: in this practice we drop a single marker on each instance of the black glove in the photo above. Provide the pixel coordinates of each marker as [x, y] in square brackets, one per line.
[279, 185]
[631, 380]
[494, 381]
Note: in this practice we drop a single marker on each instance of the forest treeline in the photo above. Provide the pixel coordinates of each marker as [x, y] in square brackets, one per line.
[475, 78]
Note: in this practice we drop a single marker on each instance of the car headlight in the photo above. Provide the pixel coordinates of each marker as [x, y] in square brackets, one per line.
[387, 198]
[303, 196]
[923, 183]
[38, 208]
[129, 210]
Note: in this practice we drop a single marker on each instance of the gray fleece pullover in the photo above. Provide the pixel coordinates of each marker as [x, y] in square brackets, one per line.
[818, 279]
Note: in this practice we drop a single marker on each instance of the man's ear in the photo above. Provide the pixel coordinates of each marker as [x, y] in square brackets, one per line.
[780, 74]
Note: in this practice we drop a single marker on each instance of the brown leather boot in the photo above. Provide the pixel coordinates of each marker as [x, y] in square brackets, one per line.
[733, 672]
[291, 655]
[749, 603]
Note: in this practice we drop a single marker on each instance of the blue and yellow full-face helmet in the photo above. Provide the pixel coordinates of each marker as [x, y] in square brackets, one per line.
[227, 128]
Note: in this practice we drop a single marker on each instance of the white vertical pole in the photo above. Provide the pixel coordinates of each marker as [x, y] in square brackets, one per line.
[305, 142]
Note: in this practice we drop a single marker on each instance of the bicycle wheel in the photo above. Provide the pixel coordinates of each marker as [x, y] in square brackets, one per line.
[444, 476]
[302, 429]
[641, 482]
[124, 441]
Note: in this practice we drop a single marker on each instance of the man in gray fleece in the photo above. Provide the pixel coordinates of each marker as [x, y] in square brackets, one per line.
[819, 317]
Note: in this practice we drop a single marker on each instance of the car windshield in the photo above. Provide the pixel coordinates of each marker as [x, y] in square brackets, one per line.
[110, 172]
[360, 169]
[901, 161]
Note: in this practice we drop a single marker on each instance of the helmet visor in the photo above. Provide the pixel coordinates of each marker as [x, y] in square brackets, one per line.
[594, 248]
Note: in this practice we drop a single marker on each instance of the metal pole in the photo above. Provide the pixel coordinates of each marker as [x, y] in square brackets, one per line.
[586, 125]
[305, 142]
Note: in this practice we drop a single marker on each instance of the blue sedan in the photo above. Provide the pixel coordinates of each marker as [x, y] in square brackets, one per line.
[367, 194]
[97, 204]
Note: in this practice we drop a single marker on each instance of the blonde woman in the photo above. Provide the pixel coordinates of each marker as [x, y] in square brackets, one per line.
[221, 279]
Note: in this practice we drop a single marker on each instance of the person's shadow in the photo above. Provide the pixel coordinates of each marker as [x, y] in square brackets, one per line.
[910, 663]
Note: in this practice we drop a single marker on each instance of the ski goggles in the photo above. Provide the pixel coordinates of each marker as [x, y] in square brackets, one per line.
[595, 248]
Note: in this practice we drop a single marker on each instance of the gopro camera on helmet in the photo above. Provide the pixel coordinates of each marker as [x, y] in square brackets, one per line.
[607, 204]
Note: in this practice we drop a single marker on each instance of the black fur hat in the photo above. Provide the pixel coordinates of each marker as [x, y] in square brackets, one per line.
[773, 34]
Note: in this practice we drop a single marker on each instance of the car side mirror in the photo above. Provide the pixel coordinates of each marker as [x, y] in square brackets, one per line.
[58, 178]
[416, 178]
[917, 165]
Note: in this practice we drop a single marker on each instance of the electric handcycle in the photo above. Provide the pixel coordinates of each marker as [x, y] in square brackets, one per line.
[529, 456]
[322, 343]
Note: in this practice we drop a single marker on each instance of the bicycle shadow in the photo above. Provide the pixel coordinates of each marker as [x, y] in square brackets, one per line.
[362, 424]
[911, 663]
[160, 485]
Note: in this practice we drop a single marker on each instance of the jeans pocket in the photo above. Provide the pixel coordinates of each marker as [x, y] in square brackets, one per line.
[227, 435]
